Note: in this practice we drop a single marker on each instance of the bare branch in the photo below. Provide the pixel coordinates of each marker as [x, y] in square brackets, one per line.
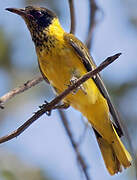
[46, 108]
[92, 23]
[19, 90]
[63, 117]
[72, 16]
[74, 145]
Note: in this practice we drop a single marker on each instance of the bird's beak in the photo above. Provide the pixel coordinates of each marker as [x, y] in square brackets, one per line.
[20, 12]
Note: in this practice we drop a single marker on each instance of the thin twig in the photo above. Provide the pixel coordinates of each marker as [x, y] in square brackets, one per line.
[19, 90]
[49, 106]
[72, 16]
[92, 23]
[74, 145]
[63, 117]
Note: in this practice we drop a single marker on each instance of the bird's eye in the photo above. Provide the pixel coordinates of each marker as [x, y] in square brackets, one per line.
[36, 14]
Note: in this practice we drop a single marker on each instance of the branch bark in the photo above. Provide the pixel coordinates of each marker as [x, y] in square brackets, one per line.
[63, 117]
[72, 16]
[19, 90]
[80, 158]
[92, 23]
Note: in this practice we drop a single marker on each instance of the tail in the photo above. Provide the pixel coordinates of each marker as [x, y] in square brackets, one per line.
[115, 155]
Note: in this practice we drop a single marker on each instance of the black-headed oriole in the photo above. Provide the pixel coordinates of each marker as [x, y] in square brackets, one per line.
[63, 59]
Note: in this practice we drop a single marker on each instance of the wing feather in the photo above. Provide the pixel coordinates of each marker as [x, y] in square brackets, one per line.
[81, 50]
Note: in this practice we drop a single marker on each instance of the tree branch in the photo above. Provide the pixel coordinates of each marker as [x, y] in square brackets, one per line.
[74, 145]
[19, 90]
[47, 107]
[63, 117]
[92, 23]
[72, 16]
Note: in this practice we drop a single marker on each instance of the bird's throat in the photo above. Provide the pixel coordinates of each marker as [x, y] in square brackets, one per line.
[47, 39]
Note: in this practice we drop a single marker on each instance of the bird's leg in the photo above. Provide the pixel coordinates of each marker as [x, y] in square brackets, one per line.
[62, 106]
[73, 80]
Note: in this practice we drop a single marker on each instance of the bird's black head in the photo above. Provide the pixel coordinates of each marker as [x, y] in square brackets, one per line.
[35, 17]
[38, 20]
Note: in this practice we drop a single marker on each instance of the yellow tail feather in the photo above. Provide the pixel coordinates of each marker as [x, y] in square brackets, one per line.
[120, 151]
[112, 164]
[115, 155]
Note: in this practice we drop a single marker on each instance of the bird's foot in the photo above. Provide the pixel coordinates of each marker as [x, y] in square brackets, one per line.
[62, 106]
[73, 80]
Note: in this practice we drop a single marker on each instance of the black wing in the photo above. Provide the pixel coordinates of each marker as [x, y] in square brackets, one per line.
[89, 64]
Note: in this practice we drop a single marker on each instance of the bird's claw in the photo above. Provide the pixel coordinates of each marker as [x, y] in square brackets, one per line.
[81, 87]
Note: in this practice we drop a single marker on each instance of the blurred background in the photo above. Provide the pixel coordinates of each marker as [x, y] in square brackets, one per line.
[43, 151]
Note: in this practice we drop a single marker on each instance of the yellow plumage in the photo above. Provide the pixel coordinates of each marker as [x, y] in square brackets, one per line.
[59, 66]
[60, 57]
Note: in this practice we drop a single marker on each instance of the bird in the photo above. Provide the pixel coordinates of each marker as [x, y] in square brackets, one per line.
[63, 59]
